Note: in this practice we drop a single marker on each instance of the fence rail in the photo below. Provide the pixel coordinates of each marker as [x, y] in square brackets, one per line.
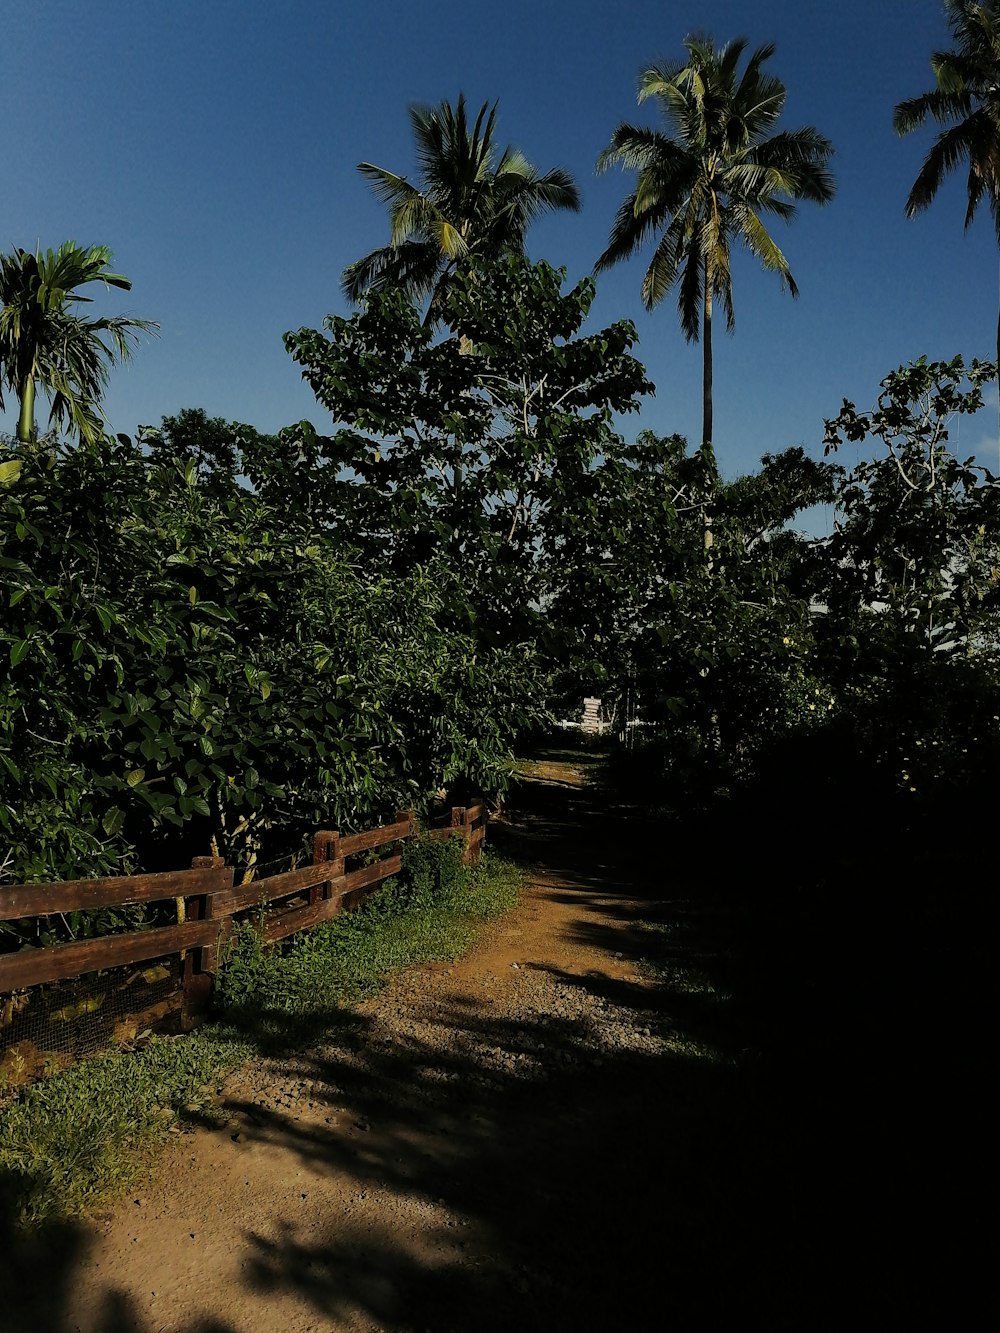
[294, 900]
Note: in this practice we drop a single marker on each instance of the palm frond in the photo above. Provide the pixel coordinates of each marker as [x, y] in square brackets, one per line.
[413, 217]
[762, 108]
[387, 187]
[636, 148]
[450, 240]
[975, 189]
[940, 106]
[723, 291]
[745, 93]
[556, 189]
[691, 293]
[411, 267]
[662, 272]
[762, 245]
[628, 233]
[949, 149]
[965, 99]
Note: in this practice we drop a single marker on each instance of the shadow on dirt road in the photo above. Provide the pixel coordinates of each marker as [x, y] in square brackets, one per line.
[749, 1165]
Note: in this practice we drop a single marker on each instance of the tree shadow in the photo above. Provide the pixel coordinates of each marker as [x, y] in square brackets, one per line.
[572, 1189]
[797, 1145]
[39, 1271]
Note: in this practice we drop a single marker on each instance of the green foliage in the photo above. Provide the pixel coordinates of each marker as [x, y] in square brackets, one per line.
[909, 641]
[915, 554]
[708, 649]
[185, 664]
[466, 450]
[433, 873]
[875, 650]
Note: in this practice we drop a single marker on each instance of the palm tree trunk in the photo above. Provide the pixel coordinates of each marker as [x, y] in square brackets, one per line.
[26, 416]
[706, 387]
[707, 450]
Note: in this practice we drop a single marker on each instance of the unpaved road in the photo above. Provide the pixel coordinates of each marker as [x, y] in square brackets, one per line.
[550, 1134]
[482, 1147]
[416, 1172]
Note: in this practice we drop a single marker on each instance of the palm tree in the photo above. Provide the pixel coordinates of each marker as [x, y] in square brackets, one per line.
[44, 342]
[471, 201]
[967, 101]
[711, 183]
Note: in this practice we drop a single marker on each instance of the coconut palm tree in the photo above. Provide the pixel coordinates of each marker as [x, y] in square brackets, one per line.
[45, 344]
[710, 183]
[472, 200]
[966, 101]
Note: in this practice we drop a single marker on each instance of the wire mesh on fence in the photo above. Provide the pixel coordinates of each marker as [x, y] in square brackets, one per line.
[50, 1026]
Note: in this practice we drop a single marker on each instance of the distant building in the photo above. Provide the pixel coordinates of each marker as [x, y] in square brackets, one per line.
[593, 723]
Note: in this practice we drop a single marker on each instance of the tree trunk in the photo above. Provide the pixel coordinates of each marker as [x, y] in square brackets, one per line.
[706, 429]
[26, 417]
[707, 449]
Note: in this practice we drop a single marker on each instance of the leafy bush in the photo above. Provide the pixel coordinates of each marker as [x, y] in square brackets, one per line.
[432, 874]
[191, 667]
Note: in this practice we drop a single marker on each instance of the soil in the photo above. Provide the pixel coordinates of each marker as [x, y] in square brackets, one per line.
[464, 1155]
[629, 1107]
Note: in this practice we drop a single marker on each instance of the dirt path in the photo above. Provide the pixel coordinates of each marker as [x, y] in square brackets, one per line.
[688, 1085]
[528, 1138]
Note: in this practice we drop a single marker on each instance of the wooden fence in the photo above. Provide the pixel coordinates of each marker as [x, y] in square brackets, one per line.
[293, 901]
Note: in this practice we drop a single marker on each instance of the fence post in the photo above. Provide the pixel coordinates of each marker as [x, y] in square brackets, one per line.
[200, 964]
[475, 844]
[460, 824]
[326, 851]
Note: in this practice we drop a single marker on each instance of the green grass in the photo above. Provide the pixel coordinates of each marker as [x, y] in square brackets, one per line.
[89, 1131]
[429, 914]
[86, 1134]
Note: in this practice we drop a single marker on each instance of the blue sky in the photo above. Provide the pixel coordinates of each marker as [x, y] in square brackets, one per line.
[213, 147]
